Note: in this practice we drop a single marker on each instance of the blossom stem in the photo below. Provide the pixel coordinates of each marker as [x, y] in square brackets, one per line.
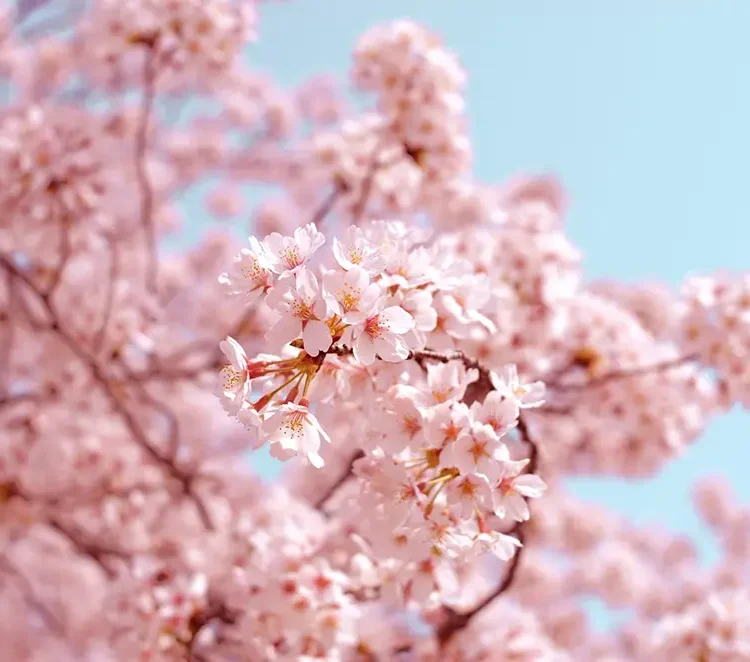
[262, 402]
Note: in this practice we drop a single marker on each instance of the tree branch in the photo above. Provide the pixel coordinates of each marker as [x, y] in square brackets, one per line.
[65, 253]
[144, 183]
[458, 621]
[343, 478]
[51, 620]
[100, 378]
[114, 272]
[626, 373]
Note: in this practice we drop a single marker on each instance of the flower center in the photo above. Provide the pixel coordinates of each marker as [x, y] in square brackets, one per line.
[349, 298]
[506, 487]
[373, 327]
[290, 257]
[294, 425]
[302, 310]
[251, 270]
[232, 378]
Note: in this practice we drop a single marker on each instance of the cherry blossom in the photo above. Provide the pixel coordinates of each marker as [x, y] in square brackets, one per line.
[379, 333]
[523, 395]
[422, 350]
[514, 488]
[304, 310]
[249, 274]
[288, 255]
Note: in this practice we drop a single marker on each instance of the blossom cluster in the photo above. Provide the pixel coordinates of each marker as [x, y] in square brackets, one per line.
[201, 36]
[342, 308]
[440, 484]
[430, 382]
[716, 328]
[419, 87]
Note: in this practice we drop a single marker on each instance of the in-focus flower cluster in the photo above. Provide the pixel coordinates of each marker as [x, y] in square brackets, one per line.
[347, 306]
[441, 476]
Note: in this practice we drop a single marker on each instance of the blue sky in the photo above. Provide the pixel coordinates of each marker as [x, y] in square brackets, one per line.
[641, 108]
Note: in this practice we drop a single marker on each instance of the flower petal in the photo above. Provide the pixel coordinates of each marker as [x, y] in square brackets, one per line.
[396, 319]
[234, 353]
[316, 337]
[364, 349]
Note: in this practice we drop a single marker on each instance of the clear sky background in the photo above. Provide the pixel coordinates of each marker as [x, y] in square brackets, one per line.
[641, 108]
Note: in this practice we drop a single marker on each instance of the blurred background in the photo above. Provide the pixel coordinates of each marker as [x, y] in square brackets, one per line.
[641, 110]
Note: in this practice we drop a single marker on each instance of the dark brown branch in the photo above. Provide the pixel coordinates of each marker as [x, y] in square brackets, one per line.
[327, 206]
[17, 398]
[458, 621]
[96, 552]
[361, 204]
[216, 610]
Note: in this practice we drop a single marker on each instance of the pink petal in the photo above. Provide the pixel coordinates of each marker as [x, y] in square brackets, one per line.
[530, 485]
[284, 331]
[364, 349]
[316, 337]
[396, 319]
[234, 353]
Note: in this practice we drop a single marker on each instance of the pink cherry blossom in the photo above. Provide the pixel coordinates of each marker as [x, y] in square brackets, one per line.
[356, 250]
[469, 493]
[350, 292]
[303, 311]
[295, 429]
[378, 332]
[236, 375]
[477, 449]
[438, 333]
[514, 488]
[499, 544]
[524, 395]
[249, 275]
[288, 255]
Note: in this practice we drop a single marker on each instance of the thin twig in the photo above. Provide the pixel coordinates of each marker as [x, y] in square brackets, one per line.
[626, 373]
[98, 375]
[6, 349]
[458, 621]
[114, 271]
[327, 206]
[51, 620]
[144, 183]
[97, 553]
[369, 180]
[334, 487]
[65, 253]
[17, 398]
